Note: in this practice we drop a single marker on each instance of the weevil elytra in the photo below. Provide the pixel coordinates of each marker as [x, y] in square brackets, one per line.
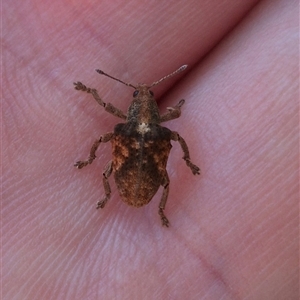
[140, 147]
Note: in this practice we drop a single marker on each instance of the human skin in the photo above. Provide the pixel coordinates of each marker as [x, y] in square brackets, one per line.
[233, 230]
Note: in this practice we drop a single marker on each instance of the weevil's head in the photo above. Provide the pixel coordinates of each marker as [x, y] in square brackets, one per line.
[143, 108]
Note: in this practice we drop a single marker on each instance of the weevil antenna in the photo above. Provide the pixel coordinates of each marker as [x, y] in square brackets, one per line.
[103, 73]
[182, 68]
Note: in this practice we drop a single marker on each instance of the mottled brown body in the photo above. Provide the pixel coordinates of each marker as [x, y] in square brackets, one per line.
[140, 147]
[139, 161]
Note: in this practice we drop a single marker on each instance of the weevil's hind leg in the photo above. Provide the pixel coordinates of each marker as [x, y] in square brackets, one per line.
[176, 137]
[173, 112]
[163, 201]
[107, 172]
[108, 107]
[103, 139]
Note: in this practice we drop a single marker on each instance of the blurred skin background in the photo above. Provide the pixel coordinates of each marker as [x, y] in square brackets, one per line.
[233, 230]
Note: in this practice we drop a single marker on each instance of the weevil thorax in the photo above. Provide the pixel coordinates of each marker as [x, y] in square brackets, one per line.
[143, 108]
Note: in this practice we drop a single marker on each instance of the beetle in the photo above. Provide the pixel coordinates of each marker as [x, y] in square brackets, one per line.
[140, 146]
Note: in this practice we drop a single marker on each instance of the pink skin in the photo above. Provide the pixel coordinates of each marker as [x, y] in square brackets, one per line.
[233, 231]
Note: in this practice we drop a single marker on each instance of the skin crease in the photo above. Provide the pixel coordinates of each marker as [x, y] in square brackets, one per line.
[233, 229]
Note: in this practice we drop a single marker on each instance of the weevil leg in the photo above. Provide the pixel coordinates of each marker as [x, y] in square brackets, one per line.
[176, 137]
[107, 106]
[163, 201]
[107, 172]
[173, 112]
[103, 139]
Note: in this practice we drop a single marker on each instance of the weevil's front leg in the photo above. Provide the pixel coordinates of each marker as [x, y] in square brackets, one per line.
[107, 106]
[103, 139]
[107, 172]
[173, 112]
[176, 137]
[163, 201]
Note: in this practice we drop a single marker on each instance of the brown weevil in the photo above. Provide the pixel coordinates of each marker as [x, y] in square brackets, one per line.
[140, 147]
